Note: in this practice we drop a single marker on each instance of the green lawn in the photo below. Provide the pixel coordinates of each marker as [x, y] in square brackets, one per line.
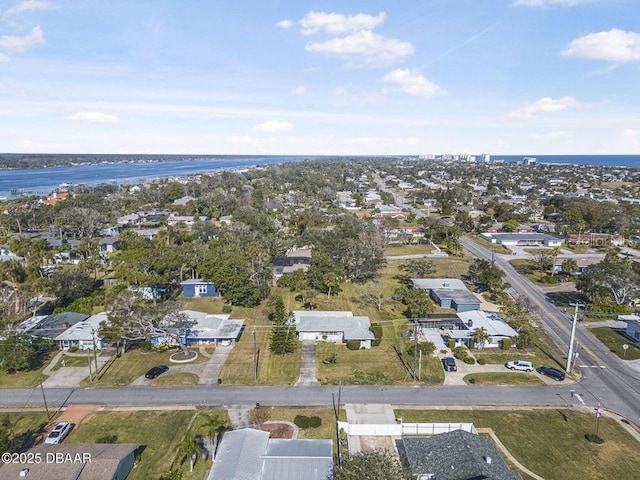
[130, 366]
[540, 354]
[24, 427]
[30, 378]
[182, 379]
[491, 246]
[506, 378]
[160, 432]
[614, 339]
[272, 369]
[74, 361]
[326, 430]
[552, 442]
[530, 270]
[417, 249]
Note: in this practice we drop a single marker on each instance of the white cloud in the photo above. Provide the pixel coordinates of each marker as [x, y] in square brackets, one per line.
[413, 83]
[338, 24]
[544, 106]
[613, 46]
[286, 24]
[548, 3]
[273, 126]
[241, 140]
[555, 135]
[3, 58]
[340, 91]
[26, 6]
[630, 139]
[93, 117]
[373, 48]
[299, 90]
[14, 43]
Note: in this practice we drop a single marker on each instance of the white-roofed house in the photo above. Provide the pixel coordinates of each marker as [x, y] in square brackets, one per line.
[83, 335]
[249, 454]
[472, 320]
[333, 327]
[206, 329]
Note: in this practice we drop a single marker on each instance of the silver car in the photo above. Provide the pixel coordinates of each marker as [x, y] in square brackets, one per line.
[59, 433]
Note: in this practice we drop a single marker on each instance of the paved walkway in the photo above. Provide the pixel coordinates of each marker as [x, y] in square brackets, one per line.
[370, 414]
[239, 416]
[308, 364]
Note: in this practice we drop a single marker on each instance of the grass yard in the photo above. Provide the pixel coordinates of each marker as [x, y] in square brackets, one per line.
[541, 354]
[129, 367]
[506, 378]
[379, 365]
[73, 361]
[417, 249]
[24, 428]
[272, 369]
[551, 442]
[327, 430]
[182, 379]
[530, 270]
[203, 304]
[491, 246]
[614, 339]
[160, 432]
[29, 378]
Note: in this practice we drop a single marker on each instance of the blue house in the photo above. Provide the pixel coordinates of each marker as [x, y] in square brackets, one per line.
[199, 288]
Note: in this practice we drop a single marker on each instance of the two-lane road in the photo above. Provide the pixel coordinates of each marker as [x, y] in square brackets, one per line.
[605, 378]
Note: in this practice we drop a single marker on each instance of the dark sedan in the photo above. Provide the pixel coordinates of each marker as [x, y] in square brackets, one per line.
[551, 372]
[156, 372]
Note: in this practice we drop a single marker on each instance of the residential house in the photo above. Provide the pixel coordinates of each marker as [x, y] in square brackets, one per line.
[456, 455]
[148, 233]
[199, 288]
[55, 324]
[6, 254]
[183, 200]
[187, 220]
[129, 220]
[523, 239]
[346, 200]
[471, 321]
[333, 327]
[104, 461]
[389, 211]
[83, 335]
[596, 239]
[206, 329]
[295, 259]
[108, 245]
[404, 234]
[250, 454]
[633, 326]
[448, 293]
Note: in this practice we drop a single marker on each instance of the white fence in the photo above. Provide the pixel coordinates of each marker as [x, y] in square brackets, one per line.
[400, 429]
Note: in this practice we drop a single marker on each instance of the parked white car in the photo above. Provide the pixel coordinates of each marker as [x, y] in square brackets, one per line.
[59, 433]
[519, 365]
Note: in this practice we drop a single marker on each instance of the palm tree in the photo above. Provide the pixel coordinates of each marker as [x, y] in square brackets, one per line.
[189, 448]
[480, 337]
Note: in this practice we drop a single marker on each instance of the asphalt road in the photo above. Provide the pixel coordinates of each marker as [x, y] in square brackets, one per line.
[559, 395]
[604, 377]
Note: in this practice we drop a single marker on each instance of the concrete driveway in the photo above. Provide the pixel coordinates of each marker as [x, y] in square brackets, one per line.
[308, 364]
[70, 376]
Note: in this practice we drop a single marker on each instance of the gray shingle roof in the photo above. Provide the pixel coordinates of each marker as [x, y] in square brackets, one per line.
[238, 456]
[457, 455]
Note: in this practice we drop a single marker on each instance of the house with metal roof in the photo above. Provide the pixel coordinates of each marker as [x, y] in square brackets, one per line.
[83, 335]
[55, 324]
[333, 326]
[448, 293]
[250, 454]
[523, 239]
[471, 321]
[456, 455]
[206, 329]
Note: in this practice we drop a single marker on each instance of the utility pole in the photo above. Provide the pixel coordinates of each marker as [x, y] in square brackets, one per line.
[46, 407]
[95, 354]
[89, 362]
[420, 366]
[415, 346]
[573, 336]
[255, 356]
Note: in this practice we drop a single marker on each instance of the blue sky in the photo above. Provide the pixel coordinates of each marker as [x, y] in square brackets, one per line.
[325, 77]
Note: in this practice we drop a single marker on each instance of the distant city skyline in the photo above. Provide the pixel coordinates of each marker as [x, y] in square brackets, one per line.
[320, 78]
